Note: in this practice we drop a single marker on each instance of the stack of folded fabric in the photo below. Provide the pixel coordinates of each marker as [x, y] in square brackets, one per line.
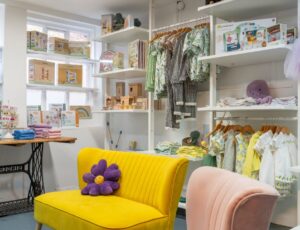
[40, 129]
[191, 151]
[167, 147]
[52, 133]
[24, 134]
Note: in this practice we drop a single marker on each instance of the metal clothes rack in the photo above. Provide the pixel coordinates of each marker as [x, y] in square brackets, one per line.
[191, 22]
[256, 118]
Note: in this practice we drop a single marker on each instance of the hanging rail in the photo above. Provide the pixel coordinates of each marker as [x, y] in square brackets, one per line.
[180, 24]
[256, 118]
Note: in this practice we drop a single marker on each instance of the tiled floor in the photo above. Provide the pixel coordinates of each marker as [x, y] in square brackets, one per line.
[26, 222]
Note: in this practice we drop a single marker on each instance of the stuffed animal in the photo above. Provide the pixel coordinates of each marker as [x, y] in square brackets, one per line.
[102, 180]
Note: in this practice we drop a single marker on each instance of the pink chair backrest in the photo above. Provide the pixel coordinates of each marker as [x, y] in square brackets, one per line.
[221, 200]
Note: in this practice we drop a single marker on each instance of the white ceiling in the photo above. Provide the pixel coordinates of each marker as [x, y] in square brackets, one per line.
[93, 8]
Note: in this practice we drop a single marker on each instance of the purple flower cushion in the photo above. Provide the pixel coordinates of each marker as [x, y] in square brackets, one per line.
[102, 180]
[258, 89]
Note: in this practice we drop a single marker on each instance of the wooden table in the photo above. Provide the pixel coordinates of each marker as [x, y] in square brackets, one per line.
[33, 167]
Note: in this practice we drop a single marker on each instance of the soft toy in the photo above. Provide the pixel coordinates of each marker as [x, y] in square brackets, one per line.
[102, 180]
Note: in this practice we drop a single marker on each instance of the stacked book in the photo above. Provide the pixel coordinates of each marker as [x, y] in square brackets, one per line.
[137, 53]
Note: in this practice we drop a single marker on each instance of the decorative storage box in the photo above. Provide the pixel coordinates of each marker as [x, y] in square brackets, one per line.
[37, 41]
[291, 35]
[70, 75]
[135, 90]
[127, 100]
[120, 89]
[142, 103]
[277, 35]
[111, 60]
[106, 23]
[41, 72]
[81, 49]
[58, 45]
[243, 35]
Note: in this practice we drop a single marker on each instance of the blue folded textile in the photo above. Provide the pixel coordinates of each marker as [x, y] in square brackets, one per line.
[24, 134]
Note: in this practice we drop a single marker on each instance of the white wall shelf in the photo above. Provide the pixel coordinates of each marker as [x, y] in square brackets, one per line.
[248, 108]
[122, 111]
[59, 57]
[123, 74]
[295, 169]
[125, 35]
[249, 57]
[59, 88]
[242, 9]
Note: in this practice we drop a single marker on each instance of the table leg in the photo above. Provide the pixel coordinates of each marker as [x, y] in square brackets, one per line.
[34, 169]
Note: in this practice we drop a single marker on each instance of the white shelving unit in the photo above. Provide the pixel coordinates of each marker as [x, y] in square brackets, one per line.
[123, 111]
[243, 9]
[249, 57]
[247, 108]
[125, 36]
[59, 57]
[123, 74]
[58, 87]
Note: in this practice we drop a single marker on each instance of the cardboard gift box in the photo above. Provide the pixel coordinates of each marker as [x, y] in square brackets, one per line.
[242, 35]
[120, 89]
[111, 60]
[37, 41]
[277, 35]
[58, 45]
[70, 75]
[135, 90]
[291, 35]
[106, 24]
[81, 49]
[41, 72]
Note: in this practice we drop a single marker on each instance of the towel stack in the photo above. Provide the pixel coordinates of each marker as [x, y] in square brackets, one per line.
[24, 134]
[52, 133]
[40, 129]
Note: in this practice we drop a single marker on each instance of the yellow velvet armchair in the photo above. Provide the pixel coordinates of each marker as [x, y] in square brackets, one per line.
[147, 200]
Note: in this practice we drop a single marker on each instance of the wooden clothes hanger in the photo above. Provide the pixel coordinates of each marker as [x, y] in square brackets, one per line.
[247, 129]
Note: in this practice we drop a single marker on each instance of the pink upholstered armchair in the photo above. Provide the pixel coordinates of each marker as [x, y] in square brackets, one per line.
[221, 200]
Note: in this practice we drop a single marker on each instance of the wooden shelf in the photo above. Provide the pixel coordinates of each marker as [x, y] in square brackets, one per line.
[249, 57]
[59, 57]
[248, 108]
[122, 111]
[123, 74]
[244, 9]
[125, 35]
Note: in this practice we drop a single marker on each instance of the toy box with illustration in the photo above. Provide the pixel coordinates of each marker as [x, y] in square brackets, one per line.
[277, 35]
[291, 35]
[37, 41]
[243, 35]
[41, 72]
[70, 75]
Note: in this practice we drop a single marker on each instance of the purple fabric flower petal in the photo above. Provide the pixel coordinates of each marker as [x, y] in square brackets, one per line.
[112, 174]
[95, 190]
[113, 166]
[86, 190]
[88, 178]
[100, 168]
[106, 189]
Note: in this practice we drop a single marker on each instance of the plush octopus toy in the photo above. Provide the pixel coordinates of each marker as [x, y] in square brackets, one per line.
[102, 180]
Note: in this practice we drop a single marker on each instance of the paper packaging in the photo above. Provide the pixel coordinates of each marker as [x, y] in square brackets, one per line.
[81, 49]
[70, 75]
[242, 35]
[69, 119]
[41, 72]
[277, 35]
[37, 41]
[135, 90]
[34, 118]
[291, 35]
[120, 89]
[118, 61]
[106, 24]
[58, 45]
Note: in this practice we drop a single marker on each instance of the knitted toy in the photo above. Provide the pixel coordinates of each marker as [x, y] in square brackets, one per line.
[259, 90]
[102, 180]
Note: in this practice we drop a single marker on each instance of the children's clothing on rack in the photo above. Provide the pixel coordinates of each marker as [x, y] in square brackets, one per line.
[176, 71]
[267, 155]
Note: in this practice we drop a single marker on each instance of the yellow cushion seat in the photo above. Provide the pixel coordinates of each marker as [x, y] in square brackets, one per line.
[96, 213]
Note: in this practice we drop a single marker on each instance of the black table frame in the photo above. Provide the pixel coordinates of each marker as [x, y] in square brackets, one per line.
[34, 169]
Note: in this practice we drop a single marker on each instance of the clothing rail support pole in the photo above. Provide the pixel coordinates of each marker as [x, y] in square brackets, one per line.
[151, 114]
[213, 75]
[298, 126]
